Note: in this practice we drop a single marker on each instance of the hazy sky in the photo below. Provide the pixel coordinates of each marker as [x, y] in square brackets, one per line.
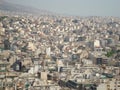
[76, 7]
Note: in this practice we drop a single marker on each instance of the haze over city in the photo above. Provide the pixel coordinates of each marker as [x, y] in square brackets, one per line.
[75, 7]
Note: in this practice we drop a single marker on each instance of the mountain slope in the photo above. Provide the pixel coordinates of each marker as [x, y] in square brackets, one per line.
[5, 6]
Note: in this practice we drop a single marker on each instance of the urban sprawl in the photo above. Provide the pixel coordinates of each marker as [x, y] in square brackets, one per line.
[50, 52]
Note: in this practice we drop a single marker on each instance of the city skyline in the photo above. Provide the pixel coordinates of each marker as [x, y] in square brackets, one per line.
[77, 7]
[41, 50]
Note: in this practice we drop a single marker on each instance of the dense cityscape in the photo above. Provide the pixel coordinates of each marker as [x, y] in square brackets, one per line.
[59, 45]
[50, 52]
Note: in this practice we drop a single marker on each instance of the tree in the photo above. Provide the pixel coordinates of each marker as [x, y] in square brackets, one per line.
[110, 53]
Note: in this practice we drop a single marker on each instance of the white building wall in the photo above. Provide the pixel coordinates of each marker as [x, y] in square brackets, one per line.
[102, 87]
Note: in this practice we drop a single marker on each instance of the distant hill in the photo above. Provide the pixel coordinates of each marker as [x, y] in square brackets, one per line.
[5, 6]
